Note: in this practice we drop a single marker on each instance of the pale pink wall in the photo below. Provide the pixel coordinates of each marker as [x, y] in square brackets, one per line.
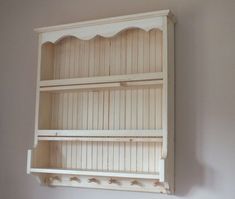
[205, 93]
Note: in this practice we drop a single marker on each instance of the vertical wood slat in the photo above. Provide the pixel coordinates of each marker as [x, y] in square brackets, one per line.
[117, 62]
[111, 126]
[158, 51]
[140, 107]
[146, 52]
[100, 153]
[95, 126]
[90, 110]
[105, 125]
[127, 146]
[152, 49]
[106, 95]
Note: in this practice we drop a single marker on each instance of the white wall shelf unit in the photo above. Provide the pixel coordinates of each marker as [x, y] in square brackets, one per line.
[105, 104]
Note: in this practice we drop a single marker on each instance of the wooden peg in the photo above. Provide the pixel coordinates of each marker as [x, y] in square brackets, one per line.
[156, 183]
[136, 182]
[76, 179]
[54, 178]
[113, 181]
[93, 180]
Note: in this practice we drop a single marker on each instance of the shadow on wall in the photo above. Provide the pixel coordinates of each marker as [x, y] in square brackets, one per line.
[190, 171]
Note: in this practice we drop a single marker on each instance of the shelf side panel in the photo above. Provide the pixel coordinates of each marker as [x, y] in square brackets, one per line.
[171, 106]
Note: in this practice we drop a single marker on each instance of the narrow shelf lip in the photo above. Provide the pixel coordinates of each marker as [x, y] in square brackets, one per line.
[102, 133]
[102, 139]
[152, 176]
[99, 86]
[80, 87]
[102, 79]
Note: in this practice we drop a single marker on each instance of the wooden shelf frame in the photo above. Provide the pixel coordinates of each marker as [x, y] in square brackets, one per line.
[127, 72]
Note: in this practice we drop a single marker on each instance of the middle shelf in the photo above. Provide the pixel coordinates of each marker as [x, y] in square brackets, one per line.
[131, 108]
[102, 82]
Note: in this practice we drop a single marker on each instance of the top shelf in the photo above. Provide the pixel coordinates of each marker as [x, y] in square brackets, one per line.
[132, 53]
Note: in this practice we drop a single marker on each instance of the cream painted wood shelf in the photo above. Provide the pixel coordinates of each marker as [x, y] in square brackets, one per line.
[105, 104]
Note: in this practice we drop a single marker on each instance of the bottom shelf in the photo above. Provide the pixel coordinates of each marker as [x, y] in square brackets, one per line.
[128, 163]
[95, 173]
